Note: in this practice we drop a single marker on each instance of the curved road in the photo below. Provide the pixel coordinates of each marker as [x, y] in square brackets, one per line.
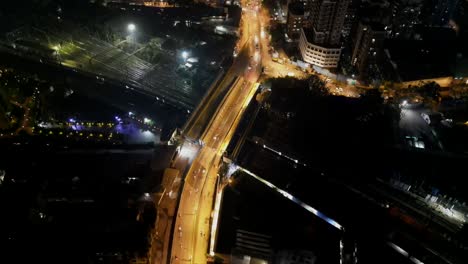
[192, 224]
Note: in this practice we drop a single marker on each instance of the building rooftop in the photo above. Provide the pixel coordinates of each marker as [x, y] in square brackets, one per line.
[309, 33]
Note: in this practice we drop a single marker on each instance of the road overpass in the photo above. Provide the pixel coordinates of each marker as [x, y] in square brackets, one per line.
[185, 208]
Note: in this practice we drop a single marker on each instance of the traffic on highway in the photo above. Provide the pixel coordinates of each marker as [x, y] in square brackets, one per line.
[194, 225]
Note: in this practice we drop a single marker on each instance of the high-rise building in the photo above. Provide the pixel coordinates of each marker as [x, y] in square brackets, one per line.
[295, 19]
[327, 18]
[350, 17]
[320, 44]
[367, 46]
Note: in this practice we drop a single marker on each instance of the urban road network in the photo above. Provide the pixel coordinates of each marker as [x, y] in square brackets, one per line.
[184, 227]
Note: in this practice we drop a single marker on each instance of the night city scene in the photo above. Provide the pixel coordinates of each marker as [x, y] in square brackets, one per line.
[234, 131]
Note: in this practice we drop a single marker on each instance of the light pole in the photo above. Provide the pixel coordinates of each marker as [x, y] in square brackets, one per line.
[185, 55]
[131, 28]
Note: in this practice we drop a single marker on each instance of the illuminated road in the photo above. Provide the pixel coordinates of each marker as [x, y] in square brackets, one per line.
[192, 226]
[286, 68]
[187, 231]
[212, 125]
[339, 88]
[272, 68]
[192, 223]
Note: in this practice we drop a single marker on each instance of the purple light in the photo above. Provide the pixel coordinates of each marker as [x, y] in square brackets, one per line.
[119, 128]
[71, 120]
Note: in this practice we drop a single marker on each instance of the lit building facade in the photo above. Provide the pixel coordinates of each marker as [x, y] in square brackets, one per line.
[317, 54]
[320, 44]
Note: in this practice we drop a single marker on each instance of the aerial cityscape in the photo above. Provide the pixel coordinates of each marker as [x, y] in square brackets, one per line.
[234, 131]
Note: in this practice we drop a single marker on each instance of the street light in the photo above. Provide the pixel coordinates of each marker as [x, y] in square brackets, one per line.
[131, 27]
[131, 37]
[185, 55]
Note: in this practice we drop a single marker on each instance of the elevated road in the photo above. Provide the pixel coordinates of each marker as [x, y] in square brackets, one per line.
[186, 205]
[190, 238]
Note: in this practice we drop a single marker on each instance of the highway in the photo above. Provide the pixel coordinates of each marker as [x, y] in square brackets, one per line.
[186, 229]
[192, 220]
[187, 232]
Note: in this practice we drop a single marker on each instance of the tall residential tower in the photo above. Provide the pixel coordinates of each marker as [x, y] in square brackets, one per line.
[320, 44]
